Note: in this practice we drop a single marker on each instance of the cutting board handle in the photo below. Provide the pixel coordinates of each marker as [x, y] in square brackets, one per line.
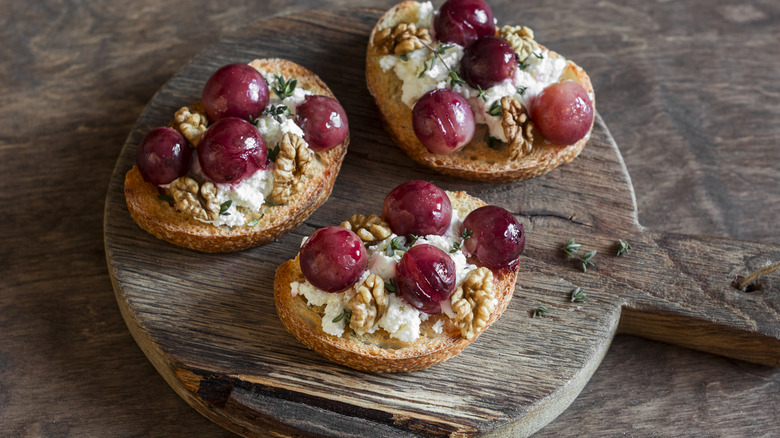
[686, 294]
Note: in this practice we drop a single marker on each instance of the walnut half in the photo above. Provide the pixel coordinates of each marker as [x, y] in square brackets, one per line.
[518, 127]
[194, 200]
[521, 38]
[474, 301]
[191, 121]
[368, 304]
[370, 228]
[294, 162]
[403, 38]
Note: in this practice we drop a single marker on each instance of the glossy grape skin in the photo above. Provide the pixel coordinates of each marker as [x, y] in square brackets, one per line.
[163, 155]
[425, 277]
[497, 239]
[443, 121]
[333, 259]
[231, 150]
[323, 122]
[562, 113]
[463, 21]
[488, 61]
[419, 208]
[235, 90]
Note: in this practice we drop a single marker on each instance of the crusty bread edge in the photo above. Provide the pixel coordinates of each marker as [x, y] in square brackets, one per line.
[159, 218]
[304, 323]
[476, 161]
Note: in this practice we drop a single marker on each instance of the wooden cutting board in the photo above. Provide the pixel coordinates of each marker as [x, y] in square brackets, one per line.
[207, 322]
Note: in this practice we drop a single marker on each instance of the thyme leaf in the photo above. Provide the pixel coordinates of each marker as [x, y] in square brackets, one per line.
[585, 260]
[273, 153]
[539, 312]
[347, 315]
[391, 286]
[277, 111]
[223, 207]
[165, 198]
[495, 109]
[571, 247]
[466, 234]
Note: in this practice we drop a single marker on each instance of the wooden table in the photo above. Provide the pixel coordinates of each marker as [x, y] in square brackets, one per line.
[688, 89]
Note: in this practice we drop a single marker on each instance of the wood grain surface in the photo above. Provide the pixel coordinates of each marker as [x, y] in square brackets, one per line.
[699, 140]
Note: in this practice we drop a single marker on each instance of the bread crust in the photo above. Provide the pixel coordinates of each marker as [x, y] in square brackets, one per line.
[377, 352]
[476, 161]
[161, 220]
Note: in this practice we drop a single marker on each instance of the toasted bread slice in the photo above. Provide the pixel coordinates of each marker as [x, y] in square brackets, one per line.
[159, 218]
[477, 160]
[378, 352]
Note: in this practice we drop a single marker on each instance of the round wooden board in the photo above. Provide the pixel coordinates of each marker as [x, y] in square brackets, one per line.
[207, 321]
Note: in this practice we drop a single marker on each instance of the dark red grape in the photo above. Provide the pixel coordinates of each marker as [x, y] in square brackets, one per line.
[333, 259]
[562, 112]
[419, 208]
[497, 239]
[488, 61]
[231, 150]
[443, 121]
[163, 155]
[425, 277]
[235, 90]
[463, 21]
[323, 121]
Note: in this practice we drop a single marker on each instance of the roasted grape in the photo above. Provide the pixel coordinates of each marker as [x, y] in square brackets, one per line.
[488, 61]
[163, 155]
[497, 239]
[419, 208]
[562, 113]
[235, 90]
[323, 121]
[425, 277]
[443, 121]
[463, 21]
[333, 259]
[231, 150]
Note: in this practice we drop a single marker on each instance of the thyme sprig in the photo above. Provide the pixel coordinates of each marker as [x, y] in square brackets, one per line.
[495, 109]
[466, 234]
[277, 111]
[347, 315]
[395, 245]
[284, 87]
[539, 312]
[623, 247]
[455, 78]
[586, 260]
[577, 295]
[571, 247]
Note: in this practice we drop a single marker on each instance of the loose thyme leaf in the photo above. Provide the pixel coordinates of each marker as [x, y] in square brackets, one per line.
[412, 239]
[577, 295]
[391, 286]
[284, 87]
[571, 247]
[404, 57]
[521, 90]
[165, 198]
[495, 109]
[425, 64]
[585, 260]
[623, 247]
[223, 207]
[539, 312]
[273, 153]
[253, 222]
[455, 79]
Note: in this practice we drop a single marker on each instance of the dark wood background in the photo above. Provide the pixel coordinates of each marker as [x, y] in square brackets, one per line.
[689, 90]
